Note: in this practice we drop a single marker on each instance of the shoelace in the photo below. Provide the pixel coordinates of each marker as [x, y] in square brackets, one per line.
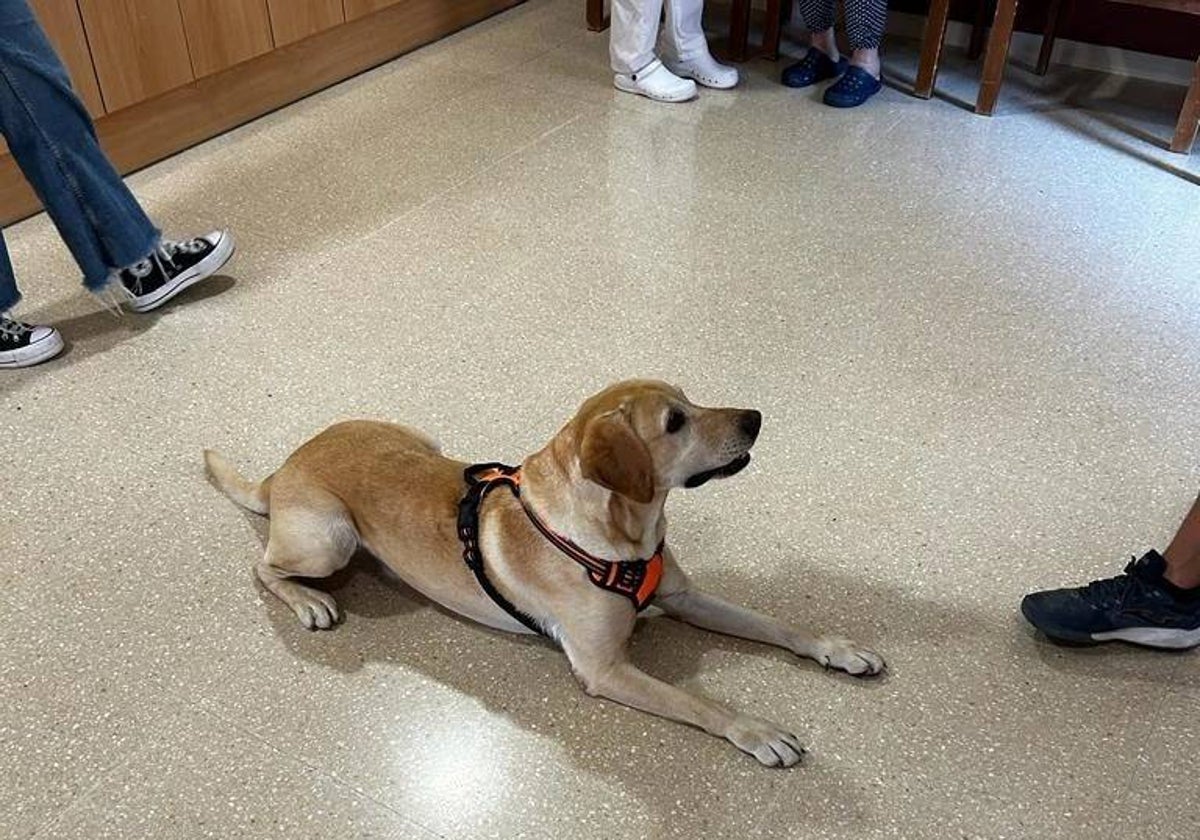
[190, 246]
[165, 252]
[1115, 590]
[140, 270]
[13, 331]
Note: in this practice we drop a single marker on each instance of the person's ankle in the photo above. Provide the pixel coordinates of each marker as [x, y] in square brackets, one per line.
[825, 42]
[1179, 577]
[871, 67]
[1182, 577]
[691, 58]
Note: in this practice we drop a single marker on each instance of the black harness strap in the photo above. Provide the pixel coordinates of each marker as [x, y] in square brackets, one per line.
[636, 580]
[468, 531]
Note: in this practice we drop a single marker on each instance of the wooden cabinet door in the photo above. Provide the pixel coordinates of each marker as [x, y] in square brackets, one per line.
[60, 19]
[222, 33]
[358, 8]
[138, 47]
[292, 20]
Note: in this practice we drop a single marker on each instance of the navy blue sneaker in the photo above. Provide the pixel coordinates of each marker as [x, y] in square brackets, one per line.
[854, 88]
[1139, 607]
[814, 67]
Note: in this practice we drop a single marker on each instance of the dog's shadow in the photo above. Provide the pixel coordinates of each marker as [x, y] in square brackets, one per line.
[528, 681]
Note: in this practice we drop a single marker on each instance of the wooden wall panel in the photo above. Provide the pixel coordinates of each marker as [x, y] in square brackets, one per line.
[60, 19]
[146, 132]
[292, 20]
[222, 33]
[359, 8]
[138, 47]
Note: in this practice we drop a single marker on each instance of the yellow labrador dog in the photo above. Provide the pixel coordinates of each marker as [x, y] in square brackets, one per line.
[571, 544]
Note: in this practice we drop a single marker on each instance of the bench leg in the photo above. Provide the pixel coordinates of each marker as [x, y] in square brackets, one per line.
[1189, 116]
[1054, 17]
[596, 21]
[931, 47]
[996, 57]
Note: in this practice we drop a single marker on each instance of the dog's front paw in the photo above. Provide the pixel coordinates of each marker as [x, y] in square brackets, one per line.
[316, 609]
[845, 655]
[771, 745]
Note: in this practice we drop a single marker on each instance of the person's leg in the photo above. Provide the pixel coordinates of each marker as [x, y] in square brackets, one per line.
[21, 344]
[52, 139]
[634, 32]
[10, 295]
[865, 20]
[818, 17]
[1183, 554]
[684, 48]
[1156, 602]
[635, 66]
[822, 60]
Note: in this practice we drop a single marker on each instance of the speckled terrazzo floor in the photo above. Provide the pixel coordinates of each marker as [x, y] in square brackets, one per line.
[974, 341]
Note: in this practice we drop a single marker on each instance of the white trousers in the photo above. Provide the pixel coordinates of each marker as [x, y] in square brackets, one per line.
[635, 29]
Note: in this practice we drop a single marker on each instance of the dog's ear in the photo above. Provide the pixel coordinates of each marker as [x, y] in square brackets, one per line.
[612, 455]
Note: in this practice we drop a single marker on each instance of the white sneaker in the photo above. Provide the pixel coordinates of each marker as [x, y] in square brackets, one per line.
[23, 345]
[655, 81]
[706, 70]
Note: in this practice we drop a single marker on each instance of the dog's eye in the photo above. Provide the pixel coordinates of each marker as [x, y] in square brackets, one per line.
[675, 421]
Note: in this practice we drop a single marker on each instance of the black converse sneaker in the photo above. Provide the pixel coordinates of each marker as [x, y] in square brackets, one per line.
[22, 345]
[173, 267]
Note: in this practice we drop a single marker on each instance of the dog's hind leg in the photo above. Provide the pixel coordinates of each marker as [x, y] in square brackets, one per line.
[312, 536]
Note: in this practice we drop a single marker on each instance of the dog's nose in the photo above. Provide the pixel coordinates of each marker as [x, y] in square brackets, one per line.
[751, 422]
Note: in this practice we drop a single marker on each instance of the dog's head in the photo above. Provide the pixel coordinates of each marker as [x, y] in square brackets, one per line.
[639, 438]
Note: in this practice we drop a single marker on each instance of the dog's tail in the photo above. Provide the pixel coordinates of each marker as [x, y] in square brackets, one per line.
[252, 495]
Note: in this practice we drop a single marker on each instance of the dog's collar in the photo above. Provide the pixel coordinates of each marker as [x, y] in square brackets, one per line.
[636, 580]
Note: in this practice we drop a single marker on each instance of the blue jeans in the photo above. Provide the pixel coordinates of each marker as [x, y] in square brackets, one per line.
[52, 138]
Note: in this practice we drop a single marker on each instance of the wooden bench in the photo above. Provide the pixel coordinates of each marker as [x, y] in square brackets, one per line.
[996, 57]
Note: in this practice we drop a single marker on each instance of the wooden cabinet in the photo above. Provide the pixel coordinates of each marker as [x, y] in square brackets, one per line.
[222, 33]
[138, 48]
[162, 75]
[358, 8]
[292, 20]
[60, 19]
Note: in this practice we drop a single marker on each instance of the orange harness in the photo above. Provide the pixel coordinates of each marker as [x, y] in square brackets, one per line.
[636, 580]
